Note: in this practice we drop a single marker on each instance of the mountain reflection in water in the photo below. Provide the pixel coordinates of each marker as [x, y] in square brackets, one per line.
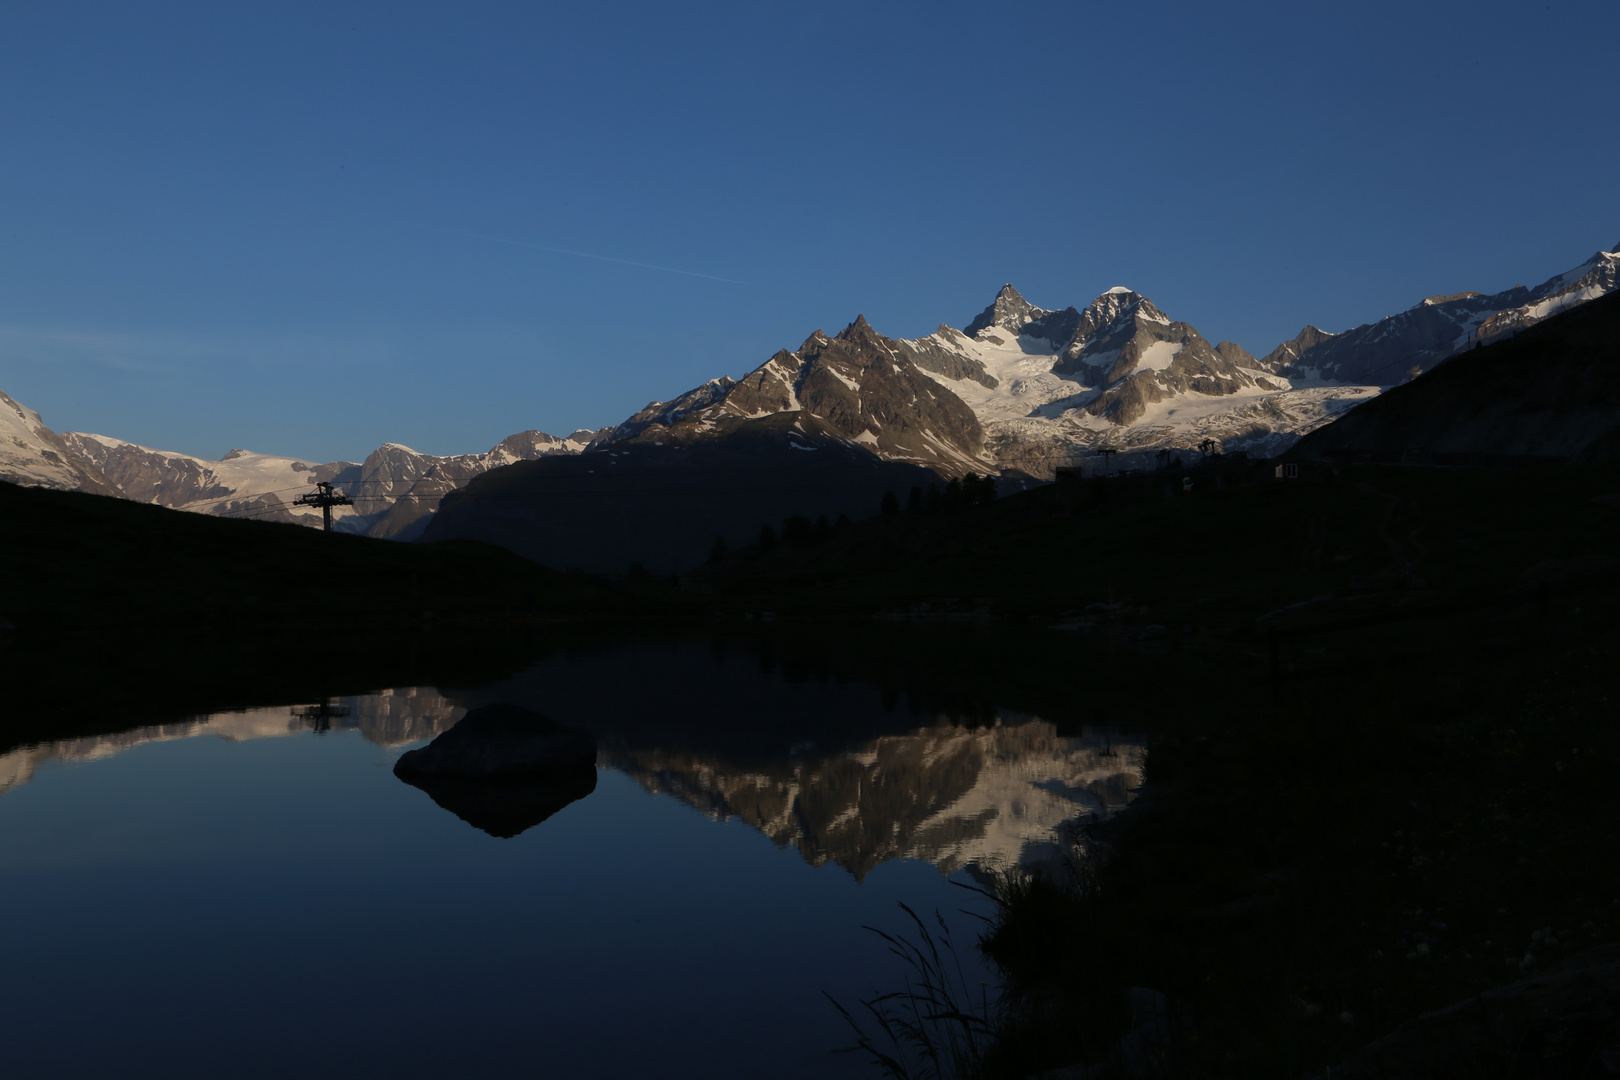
[980, 799]
[835, 773]
[975, 799]
[389, 718]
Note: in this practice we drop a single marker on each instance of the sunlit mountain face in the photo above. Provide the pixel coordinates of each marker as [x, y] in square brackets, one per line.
[1008, 794]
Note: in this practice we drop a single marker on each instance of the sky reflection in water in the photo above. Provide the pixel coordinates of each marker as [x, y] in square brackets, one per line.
[270, 906]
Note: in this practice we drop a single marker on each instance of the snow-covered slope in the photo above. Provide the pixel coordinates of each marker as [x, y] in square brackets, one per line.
[398, 489]
[33, 454]
[241, 484]
[393, 490]
[1053, 387]
[1399, 347]
[1597, 276]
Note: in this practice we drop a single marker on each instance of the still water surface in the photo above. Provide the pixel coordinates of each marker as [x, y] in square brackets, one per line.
[255, 894]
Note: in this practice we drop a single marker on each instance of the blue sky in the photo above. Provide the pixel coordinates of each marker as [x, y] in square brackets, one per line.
[313, 228]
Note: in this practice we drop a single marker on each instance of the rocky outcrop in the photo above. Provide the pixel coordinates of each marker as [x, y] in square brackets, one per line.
[947, 360]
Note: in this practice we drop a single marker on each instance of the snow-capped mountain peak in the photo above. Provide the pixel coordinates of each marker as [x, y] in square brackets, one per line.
[1401, 346]
[1595, 277]
[1008, 310]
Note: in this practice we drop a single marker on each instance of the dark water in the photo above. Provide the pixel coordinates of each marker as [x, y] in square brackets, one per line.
[255, 893]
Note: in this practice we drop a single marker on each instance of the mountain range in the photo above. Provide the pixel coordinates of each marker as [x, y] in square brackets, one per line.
[1021, 391]
[391, 492]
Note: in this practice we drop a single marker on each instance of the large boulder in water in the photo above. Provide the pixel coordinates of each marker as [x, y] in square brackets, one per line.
[501, 742]
[503, 769]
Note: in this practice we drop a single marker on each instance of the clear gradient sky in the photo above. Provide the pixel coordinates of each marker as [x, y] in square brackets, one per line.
[313, 228]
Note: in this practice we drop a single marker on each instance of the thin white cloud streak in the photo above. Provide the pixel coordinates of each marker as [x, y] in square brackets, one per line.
[578, 254]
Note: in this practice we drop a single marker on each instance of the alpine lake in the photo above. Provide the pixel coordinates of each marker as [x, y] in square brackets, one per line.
[250, 891]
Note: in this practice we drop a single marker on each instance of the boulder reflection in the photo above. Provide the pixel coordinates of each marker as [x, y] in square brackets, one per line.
[503, 768]
[506, 808]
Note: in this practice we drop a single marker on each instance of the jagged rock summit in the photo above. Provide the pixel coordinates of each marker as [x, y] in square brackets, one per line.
[858, 387]
[1052, 387]
[1009, 310]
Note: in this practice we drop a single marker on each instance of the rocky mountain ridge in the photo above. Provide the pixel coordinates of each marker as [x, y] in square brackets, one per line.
[393, 491]
[1044, 389]
[1022, 390]
[1480, 409]
[1401, 346]
[857, 386]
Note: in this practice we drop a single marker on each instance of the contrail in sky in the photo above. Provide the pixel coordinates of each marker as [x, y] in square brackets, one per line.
[580, 254]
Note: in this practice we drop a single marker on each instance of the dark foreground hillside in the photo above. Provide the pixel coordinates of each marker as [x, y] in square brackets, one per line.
[112, 611]
[77, 562]
[663, 504]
